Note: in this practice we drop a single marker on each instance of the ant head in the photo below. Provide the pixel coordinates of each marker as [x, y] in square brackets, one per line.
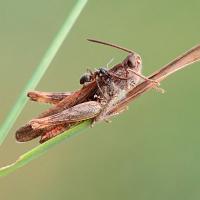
[133, 61]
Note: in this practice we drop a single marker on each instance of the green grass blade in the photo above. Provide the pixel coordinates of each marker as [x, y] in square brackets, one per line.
[41, 69]
[41, 149]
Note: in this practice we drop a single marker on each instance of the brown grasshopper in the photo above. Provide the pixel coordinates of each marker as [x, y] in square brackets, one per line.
[105, 93]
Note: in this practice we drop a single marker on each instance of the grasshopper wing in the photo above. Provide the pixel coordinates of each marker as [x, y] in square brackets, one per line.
[77, 113]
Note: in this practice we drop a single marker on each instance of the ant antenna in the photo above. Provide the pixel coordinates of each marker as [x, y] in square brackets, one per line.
[111, 45]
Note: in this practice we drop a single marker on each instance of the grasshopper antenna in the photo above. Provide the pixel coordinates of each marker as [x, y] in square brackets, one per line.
[111, 45]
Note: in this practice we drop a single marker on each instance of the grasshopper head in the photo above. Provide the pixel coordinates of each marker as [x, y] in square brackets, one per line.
[133, 61]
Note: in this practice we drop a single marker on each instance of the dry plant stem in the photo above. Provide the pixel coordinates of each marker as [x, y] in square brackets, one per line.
[181, 62]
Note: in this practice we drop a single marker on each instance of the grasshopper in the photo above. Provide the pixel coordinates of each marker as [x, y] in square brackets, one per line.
[105, 93]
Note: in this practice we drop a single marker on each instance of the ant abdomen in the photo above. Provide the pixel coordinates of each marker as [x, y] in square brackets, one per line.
[85, 78]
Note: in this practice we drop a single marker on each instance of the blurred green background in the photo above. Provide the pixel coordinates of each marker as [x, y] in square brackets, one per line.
[150, 152]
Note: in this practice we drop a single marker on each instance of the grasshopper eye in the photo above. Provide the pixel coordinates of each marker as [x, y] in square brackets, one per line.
[129, 63]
